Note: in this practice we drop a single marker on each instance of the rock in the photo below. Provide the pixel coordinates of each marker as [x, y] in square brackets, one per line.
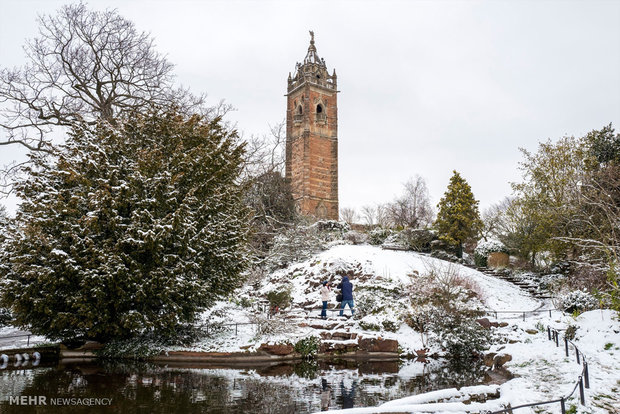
[494, 324]
[531, 331]
[484, 322]
[343, 335]
[503, 324]
[378, 345]
[488, 359]
[303, 325]
[497, 259]
[501, 359]
[325, 335]
[278, 349]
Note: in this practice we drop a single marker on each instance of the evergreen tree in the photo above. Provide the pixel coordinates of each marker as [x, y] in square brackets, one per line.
[458, 218]
[129, 229]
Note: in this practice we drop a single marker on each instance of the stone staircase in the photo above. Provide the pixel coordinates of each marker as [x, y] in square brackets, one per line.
[529, 287]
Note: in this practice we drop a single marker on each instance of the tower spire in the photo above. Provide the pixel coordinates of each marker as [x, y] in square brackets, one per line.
[312, 56]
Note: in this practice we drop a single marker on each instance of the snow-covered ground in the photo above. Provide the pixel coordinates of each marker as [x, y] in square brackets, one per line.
[542, 371]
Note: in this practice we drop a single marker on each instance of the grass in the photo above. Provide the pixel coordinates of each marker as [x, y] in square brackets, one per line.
[608, 346]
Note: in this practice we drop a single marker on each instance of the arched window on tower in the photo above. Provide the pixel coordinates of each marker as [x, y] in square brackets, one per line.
[320, 113]
[298, 115]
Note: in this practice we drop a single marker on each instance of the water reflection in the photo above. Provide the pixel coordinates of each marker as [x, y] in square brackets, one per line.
[191, 388]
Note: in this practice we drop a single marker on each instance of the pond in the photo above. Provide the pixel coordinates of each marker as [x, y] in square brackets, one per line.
[113, 387]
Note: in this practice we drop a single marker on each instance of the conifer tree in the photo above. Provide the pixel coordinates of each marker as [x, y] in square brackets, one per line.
[458, 218]
[129, 229]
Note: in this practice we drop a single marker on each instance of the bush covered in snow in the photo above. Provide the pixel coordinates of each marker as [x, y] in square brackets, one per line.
[576, 301]
[378, 235]
[127, 229]
[445, 312]
[294, 245]
[356, 237]
[5, 316]
[485, 248]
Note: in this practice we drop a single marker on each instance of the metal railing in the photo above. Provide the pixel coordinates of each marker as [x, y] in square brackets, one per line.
[583, 380]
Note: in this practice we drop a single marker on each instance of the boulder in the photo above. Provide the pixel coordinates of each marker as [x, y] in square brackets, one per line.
[484, 322]
[378, 345]
[503, 324]
[531, 331]
[501, 359]
[488, 359]
[278, 349]
[498, 259]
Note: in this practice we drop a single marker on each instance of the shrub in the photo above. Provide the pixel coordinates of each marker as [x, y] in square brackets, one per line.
[307, 347]
[444, 315]
[5, 317]
[378, 235]
[576, 301]
[279, 298]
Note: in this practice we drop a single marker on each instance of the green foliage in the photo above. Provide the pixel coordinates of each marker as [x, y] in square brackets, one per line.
[458, 219]
[130, 229]
[390, 326]
[480, 260]
[546, 197]
[307, 347]
[308, 369]
[279, 298]
[570, 332]
[378, 235]
[604, 145]
[608, 346]
[368, 326]
[135, 348]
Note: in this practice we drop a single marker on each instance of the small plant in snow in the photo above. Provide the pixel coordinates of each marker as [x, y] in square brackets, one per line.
[576, 301]
[279, 298]
[307, 347]
[378, 235]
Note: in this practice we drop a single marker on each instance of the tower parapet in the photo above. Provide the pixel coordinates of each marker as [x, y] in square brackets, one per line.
[313, 70]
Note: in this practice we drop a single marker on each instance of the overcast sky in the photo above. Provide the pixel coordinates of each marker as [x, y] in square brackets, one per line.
[427, 87]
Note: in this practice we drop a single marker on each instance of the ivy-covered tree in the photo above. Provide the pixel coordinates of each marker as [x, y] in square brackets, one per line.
[458, 219]
[129, 229]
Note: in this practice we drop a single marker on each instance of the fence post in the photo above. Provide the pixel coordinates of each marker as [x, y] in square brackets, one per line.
[557, 339]
[549, 332]
[28, 341]
[549, 312]
[495, 314]
[586, 374]
[236, 329]
[582, 397]
[523, 316]
[577, 355]
[562, 406]
[566, 345]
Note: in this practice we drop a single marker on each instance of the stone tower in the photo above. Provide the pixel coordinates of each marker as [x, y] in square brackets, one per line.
[312, 137]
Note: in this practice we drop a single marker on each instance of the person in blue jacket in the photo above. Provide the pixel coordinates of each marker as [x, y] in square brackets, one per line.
[346, 288]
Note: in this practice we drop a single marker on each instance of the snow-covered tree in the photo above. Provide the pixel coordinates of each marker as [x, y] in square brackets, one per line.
[458, 218]
[128, 229]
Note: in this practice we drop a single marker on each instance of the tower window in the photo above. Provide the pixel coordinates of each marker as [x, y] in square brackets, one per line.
[300, 110]
[319, 109]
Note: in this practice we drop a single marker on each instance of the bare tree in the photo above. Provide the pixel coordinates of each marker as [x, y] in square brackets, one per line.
[369, 215]
[413, 209]
[348, 214]
[83, 67]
